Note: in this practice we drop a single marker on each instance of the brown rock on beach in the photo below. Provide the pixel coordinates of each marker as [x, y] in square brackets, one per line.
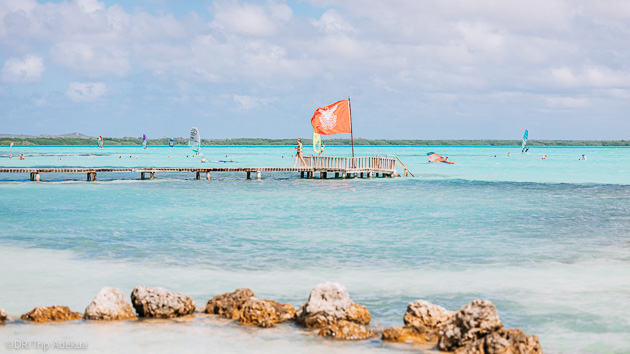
[422, 313]
[405, 334]
[229, 305]
[471, 322]
[504, 341]
[161, 303]
[329, 303]
[51, 313]
[265, 313]
[347, 330]
[3, 316]
[109, 304]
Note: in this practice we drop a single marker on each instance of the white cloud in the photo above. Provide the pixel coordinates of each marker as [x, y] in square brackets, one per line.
[90, 5]
[249, 19]
[21, 71]
[93, 61]
[249, 102]
[86, 91]
[331, 22]
[567, 102]
[590, 76]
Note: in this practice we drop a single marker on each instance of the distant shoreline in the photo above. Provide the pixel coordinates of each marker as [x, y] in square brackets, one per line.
[291, 142]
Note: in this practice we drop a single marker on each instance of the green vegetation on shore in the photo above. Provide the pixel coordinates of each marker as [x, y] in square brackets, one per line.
[260, 141]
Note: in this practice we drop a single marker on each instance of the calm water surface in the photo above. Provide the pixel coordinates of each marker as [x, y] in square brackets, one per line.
[548, 241]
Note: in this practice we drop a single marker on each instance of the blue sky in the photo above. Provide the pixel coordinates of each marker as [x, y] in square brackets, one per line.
[432, 69]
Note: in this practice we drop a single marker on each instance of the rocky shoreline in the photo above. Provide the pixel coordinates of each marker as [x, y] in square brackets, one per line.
[475, 328]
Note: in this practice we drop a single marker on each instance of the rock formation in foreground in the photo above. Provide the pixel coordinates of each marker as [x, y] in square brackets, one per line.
[405, 334]
[347, 330]
[229, 305]
[244, 306]
[161, 303]
[329, 307]
[422, 313]
[476, 328]
[265, 313]
[51, 313]
[504, 341]
[109, 304]
[3, 316]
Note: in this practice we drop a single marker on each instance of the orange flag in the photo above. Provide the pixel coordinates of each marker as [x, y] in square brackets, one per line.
[332, 119]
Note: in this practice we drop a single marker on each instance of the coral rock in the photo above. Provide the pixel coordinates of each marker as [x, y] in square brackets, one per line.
[422, 313]
[3, 315]
[51, 313]
[229, 304]
[470, 323]
[161, 303]
[504, 341]
[109, 304]
[265, 313]
[347, 330]
[328, 303]
[405, 334]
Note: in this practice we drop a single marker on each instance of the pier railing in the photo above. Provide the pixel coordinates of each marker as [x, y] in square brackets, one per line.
[350, 163]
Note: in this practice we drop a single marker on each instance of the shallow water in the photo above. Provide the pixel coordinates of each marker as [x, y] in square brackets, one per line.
[548, 241]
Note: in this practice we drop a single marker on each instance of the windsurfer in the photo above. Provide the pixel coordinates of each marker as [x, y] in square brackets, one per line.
[323, 146]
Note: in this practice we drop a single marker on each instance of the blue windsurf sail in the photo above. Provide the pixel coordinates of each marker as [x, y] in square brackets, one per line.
[171, 142]
[524, 143]
[144, 141]
[100, 141]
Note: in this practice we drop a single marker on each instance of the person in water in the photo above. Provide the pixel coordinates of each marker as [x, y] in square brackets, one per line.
[203, 159]
[298, 154]
[583, 157]
[508, 154]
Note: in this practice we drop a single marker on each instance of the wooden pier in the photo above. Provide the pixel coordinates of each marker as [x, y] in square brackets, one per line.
[341, 167]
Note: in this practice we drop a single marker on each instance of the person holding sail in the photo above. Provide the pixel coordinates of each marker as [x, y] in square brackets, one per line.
[298, 154]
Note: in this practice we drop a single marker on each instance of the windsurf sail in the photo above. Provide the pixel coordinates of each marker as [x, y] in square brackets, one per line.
[524, 143]
[433, 157]
[144, 141]
[317, 143]
[171, 142]
[195, 141]
[11, 145]
[100, 141]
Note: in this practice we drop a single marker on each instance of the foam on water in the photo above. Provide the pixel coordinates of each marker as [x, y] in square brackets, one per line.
[553, 256]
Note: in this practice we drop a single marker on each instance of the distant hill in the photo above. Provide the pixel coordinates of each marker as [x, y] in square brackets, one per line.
[24, 136]
[80, 139]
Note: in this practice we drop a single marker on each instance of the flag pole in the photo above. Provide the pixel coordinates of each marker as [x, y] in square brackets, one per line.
[351, 134]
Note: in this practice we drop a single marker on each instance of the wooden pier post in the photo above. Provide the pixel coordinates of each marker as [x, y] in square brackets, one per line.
[302, 174]
[89, 176]
[141, 175]
[208, 176]
[32, 176]
[152, 174]
[249, 176]
[336, 174]
[361, 174]
[93, 176]
[37, 176]
[258, 174]
[198, 175]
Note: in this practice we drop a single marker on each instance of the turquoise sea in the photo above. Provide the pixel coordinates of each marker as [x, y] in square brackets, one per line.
[546, 240]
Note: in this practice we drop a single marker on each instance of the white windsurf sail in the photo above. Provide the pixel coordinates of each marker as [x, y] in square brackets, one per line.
[195, 140]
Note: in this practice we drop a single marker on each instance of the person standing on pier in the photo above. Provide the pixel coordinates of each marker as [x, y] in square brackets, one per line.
[299, 155]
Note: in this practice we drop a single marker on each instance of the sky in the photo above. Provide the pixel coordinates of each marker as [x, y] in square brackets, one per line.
[414, 69]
